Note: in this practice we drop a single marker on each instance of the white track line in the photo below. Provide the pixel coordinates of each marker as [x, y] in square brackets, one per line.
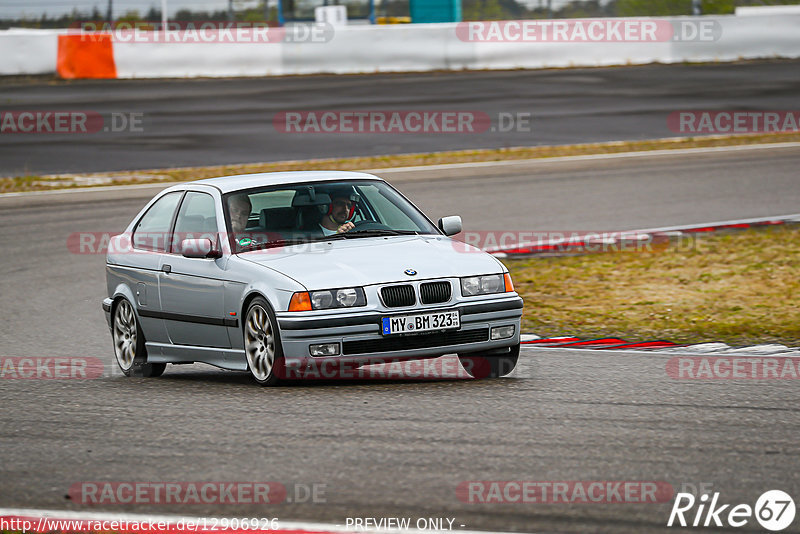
[754, 220]
[587, 157]
[88, 189]
[795, 217]
[174, 519]
[710, 349]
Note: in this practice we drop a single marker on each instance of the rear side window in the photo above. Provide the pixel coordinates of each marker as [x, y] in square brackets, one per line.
[152, 230]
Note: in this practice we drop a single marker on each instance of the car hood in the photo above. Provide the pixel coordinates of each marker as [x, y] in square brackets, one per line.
[375, 260]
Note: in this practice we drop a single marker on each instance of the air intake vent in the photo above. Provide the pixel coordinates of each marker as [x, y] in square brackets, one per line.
[423, 341]
[398, 296]
[434, 292]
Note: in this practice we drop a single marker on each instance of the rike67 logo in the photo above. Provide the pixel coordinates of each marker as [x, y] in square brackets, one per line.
[774, 510]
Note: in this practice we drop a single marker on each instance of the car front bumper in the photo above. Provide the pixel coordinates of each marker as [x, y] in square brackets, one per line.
[360, 340]
[107, 302]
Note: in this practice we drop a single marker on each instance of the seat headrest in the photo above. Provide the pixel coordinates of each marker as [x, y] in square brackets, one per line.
[277, 218]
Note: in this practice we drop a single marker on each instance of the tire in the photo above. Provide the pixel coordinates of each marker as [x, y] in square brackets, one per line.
[129, 343]
[479, 365]
[153, 370]
[262, 344]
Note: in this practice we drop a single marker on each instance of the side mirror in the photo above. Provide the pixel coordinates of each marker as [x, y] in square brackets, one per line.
[450, 225]
[199, 248]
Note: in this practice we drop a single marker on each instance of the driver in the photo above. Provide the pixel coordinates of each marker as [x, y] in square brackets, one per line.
[336, 221]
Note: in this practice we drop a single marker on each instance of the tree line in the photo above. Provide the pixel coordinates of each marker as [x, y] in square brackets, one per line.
[471, 10]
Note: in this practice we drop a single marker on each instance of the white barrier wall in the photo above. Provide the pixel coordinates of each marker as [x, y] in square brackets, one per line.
[404, 48]
[773, 36]
[396, 48]
[427, 47]
[28, 51]
[747, 11]
[188, 60]
[351, 49]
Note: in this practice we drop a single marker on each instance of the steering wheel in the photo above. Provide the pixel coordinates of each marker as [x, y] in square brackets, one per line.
[369, 224]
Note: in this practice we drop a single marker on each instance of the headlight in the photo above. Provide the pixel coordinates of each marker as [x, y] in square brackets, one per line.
[338, 298]
[347, 297]
[321, 300]
[486, 285]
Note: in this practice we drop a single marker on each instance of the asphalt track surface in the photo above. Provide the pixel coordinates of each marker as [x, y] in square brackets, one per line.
[208, 122]
[400, 447]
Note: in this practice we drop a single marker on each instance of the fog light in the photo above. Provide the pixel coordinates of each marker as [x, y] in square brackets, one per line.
[502, 332]
[326, 349]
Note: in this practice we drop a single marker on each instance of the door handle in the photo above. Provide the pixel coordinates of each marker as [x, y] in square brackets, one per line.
[166, 268]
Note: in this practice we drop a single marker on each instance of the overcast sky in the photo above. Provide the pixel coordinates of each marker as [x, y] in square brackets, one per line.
[17, 8]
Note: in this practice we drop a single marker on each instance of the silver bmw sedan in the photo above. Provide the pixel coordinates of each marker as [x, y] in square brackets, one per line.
[279, 273]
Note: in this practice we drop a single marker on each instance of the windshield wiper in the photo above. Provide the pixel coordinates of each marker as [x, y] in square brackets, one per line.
[319, 239]
[377, 232]
[255, 245]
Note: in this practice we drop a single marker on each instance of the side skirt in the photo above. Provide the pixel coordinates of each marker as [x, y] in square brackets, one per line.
[231, 359]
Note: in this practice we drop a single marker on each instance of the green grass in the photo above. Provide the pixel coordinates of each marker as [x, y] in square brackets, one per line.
[739, 288]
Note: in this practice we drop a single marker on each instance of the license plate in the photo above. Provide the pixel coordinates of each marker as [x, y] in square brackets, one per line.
[426, 322]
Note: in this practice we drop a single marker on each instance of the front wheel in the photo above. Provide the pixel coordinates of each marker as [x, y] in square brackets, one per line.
[479, 365]
[129, 347]
[262, 344]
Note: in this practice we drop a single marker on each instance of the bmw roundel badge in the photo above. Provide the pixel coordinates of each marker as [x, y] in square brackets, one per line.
[410, 272]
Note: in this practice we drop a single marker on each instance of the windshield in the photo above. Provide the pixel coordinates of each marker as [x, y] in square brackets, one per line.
[301, 213]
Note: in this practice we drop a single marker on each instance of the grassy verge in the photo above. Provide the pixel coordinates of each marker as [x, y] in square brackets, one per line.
[739, 288]
[67, 181]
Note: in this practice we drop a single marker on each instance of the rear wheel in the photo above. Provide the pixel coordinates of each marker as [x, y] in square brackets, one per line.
[129, 343]
[262, 344]
[481, 365]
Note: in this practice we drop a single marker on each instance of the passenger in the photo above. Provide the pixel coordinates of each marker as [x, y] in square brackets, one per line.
[239, 207]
